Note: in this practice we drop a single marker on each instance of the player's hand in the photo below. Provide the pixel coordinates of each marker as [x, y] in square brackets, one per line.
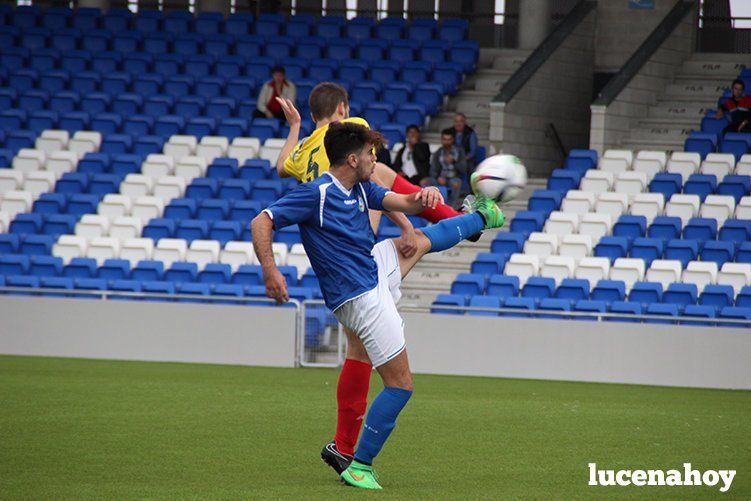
[290, 112]
[430, 197]
[276, 285]
[407, 243]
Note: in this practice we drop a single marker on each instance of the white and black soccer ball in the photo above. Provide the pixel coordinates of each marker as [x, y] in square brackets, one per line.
[500, 177]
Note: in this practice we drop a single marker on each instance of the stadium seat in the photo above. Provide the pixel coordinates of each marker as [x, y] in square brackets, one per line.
[503, 286]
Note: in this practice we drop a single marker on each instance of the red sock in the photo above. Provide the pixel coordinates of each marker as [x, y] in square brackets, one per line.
[352, 400]
[440, 213]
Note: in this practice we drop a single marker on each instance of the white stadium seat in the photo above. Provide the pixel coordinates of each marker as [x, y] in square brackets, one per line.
[271, 149]
[593, 269]
[626, 155]
[10, 179]
[158, 165]
[613, 204]
[718, 164]
[596, 225]
[125, 227]
[648, 166]
[743, 210]
[649, 205]
[244, 148]
[137, 185]
[136, 249]
[191, 167]
[16, 201]
[298, 258]
[169, 187]
[145, 208]
[179, 146]
[114, 205]
[597, 181]
[736, 274]
[61, 162]
[665, 271]
[558, 267]
[628, 270]
[29, 160]
[170, 250]
[280, 253]
[575, 246]
[719, 207]
[658, 156]
[630, 183]
[52, 140]
[614, 165]
[102, 248]
[561, 223]
[39, 182]
[686, 156]
[85, 141]
[69, 246]
[203, 252]
[522, 266]
[683, 206]
[237, 253]
[93, 225]
[743, 167]
[541, 244]
[684, 163]
[4, 222]
[700, 273]
[578, 202]
[211, 147]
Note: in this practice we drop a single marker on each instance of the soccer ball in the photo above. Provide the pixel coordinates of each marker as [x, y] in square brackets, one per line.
[500, 177]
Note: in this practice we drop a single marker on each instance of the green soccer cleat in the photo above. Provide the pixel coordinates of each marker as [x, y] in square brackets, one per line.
[490, 211]
[360, 475]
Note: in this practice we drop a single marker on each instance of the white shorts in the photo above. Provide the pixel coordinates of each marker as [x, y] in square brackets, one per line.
[372, 316]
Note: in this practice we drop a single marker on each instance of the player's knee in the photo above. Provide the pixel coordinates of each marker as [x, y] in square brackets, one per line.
[358, 353]
[404, 382]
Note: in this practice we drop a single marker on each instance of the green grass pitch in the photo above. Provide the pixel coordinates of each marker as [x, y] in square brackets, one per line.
[90, 429]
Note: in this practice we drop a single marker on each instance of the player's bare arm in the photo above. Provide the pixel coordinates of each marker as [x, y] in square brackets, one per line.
[262, 228]
[414, 203]
[294, 121]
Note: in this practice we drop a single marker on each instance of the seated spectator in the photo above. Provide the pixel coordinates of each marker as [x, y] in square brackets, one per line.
[413, 159]
[466, 137]
[448, 166]
[278, 86]
[738, 106]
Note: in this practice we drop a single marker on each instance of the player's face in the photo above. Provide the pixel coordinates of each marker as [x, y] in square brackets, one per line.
[366, 161]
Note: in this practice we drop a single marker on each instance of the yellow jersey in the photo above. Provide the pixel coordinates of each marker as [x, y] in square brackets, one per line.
[308, 159]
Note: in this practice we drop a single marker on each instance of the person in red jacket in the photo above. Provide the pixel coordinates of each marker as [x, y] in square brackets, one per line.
[738, 107]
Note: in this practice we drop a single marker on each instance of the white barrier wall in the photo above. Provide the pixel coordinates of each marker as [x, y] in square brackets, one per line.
[608, 352]
[137, 330]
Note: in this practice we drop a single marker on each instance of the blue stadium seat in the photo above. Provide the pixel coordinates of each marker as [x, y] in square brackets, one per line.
[573, 289]
[89, 284]
[701, 185]
[80, 267]
[14, 264]
[124, 287]
[719, 296]
[667, 183]
[247, 274]
[663, 310]
[159, 228]
[609, 291]
[244, 211]
[735, 230]
[630, 227]
[231, 291]
[192, 229]
[625, 308]
[181, 272]
[80, 203]
[62, 283]
[223, 168]
[699, 312]
[202, 188]
[735, 186]
[701, 142]
[468, 284]
[735, 143]
[266, 191]
[26, 223]
[158, 288]
[680, 294]
[507, 243]
[192, 289]
[526, 222]
[487, 263]
[743, 255]
[588, 305]
[735, 313]
[612, 248]
[221, 108]
[503, 286]
[148, 271]
[647, 249]
[238, 23]
[538, 287]
[108, 124]
[59, 224]
[114, 269]
[181, 208]
[485, 302]
[700, 229]
[235, 189]
[215, 273]
[665, 228]
[22, 282]
[646, 293]
[682, 250]
[718, 251]
[554, 304]
[101, 184]
[523, 306]
[224, 231]
[448, 300]
[563, 180]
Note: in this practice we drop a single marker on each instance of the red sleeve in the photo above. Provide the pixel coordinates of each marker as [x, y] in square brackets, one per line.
[730, 104]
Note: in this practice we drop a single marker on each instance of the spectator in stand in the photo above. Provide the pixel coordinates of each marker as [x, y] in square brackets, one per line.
[413, 159]
[448, 166]
[738, 107]
[466, 137]
[278, 86]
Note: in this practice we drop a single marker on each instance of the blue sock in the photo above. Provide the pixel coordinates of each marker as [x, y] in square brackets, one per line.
[380, 421]
[449, 232]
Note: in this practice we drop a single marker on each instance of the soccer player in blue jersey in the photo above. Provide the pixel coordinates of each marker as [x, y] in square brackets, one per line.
[360, 280]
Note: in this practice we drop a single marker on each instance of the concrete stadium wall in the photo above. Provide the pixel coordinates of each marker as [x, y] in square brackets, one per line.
[666, 355]
[136, 330]
[607, 352]
[610, 123]
[557, 93]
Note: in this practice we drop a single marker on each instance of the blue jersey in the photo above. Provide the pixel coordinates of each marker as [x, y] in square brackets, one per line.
[336, 233]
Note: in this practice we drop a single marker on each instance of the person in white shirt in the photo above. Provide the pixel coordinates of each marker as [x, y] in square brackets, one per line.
[413, 159]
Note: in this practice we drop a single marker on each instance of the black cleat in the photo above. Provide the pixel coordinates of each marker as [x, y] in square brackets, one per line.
[332, 457]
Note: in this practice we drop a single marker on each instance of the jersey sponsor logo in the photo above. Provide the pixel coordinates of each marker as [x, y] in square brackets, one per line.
[350, 202]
